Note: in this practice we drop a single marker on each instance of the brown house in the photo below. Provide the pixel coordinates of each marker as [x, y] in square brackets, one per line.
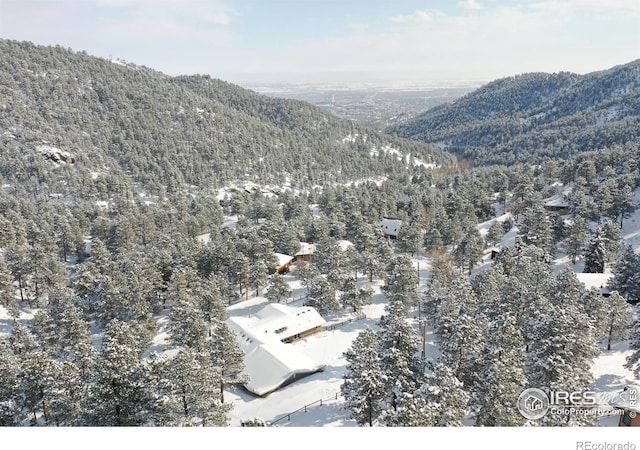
[557, 204]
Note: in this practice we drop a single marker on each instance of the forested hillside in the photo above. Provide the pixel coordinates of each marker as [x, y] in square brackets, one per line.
[536, 116]
[114, 118]
[129, 226]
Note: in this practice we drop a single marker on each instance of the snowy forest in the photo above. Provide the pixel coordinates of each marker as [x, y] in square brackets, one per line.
[112, 173]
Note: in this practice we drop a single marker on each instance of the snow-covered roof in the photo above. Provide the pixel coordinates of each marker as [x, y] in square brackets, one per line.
[306, 249]
[594, 280]
[283, 259]
[390, 226]
[269, 362]
[557, 200]
[204, 238]
[344, 244]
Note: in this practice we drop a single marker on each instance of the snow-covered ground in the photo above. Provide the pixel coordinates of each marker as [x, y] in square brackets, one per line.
[314, 403]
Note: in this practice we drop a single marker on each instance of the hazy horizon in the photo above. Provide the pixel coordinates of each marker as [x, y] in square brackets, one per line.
[314, 41]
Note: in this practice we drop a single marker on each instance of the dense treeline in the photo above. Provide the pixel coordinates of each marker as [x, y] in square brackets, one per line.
[534, 116]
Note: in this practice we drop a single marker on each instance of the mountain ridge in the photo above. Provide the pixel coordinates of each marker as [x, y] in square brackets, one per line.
[132, 121]
[533, 116]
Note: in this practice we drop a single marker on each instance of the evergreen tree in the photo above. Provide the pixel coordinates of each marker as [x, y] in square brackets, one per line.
[500, 377]
[194, 387]
[277, 288]
[633, 360]
[469, 252]
[7, 291]
[322, 295]
[560, 356]
[188, 327]
[618, 319]
[494, 234]
[364, 381]
[445, 396]
[397, 348]
[595, 255]
[402, 281]
[118, 395]
[535, 227]
[626, 275]
[38, 376]
[609, 231]
[10, 413]
[227, 356]
[577, 238]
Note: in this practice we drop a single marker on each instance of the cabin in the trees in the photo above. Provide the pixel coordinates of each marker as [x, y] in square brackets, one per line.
[282, 265]
[598, 281]
[557, 204]
[305, 254]
[390, 227]
[272, 360]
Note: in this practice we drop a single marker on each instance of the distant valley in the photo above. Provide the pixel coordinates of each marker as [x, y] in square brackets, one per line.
[375, 105]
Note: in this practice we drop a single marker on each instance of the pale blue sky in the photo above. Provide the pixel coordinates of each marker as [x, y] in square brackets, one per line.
[338, 40]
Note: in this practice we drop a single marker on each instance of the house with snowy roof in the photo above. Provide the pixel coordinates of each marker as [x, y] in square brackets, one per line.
[283, 262]
[598, 281]
[306, 251]
[272, 360]
[390, 227]
[557, 204]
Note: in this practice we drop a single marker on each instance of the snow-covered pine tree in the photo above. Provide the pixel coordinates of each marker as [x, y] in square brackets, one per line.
[8, 291]
[560, 355]
[443, 274]
[461, 344]
[595, 255]
[188, 327]
[494, 234]
[66, 397]
[446, 396]
[457, 296]
[595, 306]
[227, 356]
[117, 396]
[469, 251]
[577, 238]
[10, 414]
[500, 377]
[535, 228]
[210, 300]
[397, 348]
[402, 281]
[277, 288]
[322, 295]
[349, 295]
[633, 360]
[194, 385]
[626, 274]
[609, 231]
[619, 317]
[364, 381]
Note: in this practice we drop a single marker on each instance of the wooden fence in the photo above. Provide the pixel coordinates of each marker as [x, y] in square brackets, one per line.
[303, 409]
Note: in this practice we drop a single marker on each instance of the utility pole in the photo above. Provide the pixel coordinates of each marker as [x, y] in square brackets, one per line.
[423, 326]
